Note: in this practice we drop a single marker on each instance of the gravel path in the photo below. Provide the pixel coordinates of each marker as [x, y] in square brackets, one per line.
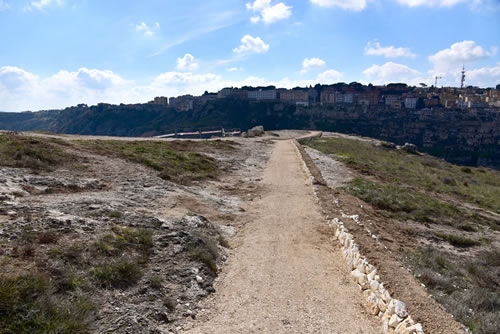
[285, 275]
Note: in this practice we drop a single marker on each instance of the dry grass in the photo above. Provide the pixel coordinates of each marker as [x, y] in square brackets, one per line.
[20, 151]
[28, 305]
[121, 273]
[466, 278]
[478, 186]
[168, 159]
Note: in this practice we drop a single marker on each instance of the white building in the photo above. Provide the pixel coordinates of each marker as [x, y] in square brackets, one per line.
[411, 102]
[260, 94]
[392, 99]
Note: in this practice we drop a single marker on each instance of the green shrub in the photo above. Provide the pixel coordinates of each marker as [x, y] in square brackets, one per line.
[204, 249]
[458, 240]
[118, 274]
[156, 282]
[27, 306]
[38, 154]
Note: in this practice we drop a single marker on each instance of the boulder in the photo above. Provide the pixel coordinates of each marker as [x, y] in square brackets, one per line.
[398, 307]
[373, 304]
[410, 148]
[388, 145]
[256, 131]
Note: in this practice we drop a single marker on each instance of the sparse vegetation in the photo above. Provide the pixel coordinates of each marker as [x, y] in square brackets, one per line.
[123, 238]
[464, 278]
[467, 288]
[458, 240]
[171, 163]
[156, 282]
[478, 186]
[121, 273]
[48, 237]
[403, 203]
[223, 241]
[27, 305]
[20, 151]
[114, 214]
[204, 249]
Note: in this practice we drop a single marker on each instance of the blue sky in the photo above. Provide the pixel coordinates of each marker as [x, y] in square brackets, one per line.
[57, 53]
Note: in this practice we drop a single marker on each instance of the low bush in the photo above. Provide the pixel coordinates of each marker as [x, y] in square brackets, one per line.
[204, 249]
[27, 306]
[458, 240]
[115, 244]
[156, 282]
[48, 237]
[118, 274]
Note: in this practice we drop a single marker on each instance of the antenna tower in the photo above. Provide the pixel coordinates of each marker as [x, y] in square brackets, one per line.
[463, 77]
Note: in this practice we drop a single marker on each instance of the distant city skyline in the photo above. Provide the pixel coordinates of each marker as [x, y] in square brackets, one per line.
[58, 53]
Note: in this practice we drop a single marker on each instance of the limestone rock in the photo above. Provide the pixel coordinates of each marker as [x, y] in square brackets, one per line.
[416, 329]
[398, 307]
[373, 304]
[394, 321]
[256, 131]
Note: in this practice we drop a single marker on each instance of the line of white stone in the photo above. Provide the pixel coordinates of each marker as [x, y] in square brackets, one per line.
[393, 312]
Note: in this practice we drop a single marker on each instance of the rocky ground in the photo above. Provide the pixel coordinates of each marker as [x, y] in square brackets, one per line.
[80, 222]
[101, 243]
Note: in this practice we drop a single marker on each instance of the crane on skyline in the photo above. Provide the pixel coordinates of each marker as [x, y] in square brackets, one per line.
[436, 81]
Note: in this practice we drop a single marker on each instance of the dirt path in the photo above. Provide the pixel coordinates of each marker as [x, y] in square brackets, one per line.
[286, 276]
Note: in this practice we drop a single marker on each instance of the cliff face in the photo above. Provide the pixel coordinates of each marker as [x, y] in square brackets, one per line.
[465, 137]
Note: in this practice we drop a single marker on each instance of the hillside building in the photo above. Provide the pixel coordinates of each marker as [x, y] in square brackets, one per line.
[268, 94]
[161, 100]
[294, 96]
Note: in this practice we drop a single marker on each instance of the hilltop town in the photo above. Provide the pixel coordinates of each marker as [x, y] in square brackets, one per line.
[395, 95]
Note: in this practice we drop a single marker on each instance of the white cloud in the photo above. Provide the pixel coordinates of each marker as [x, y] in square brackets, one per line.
[251, 44]
[41, 4]
[387, 51]
[85, 79]
[458, 54]
[187, 63]
[21, 90]
[144, 28]
[311, 64]
[390, 72]
[433, 3]
[268, 13]
[15, 79]
[329, 76]
[354, 5]
[234, 69]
